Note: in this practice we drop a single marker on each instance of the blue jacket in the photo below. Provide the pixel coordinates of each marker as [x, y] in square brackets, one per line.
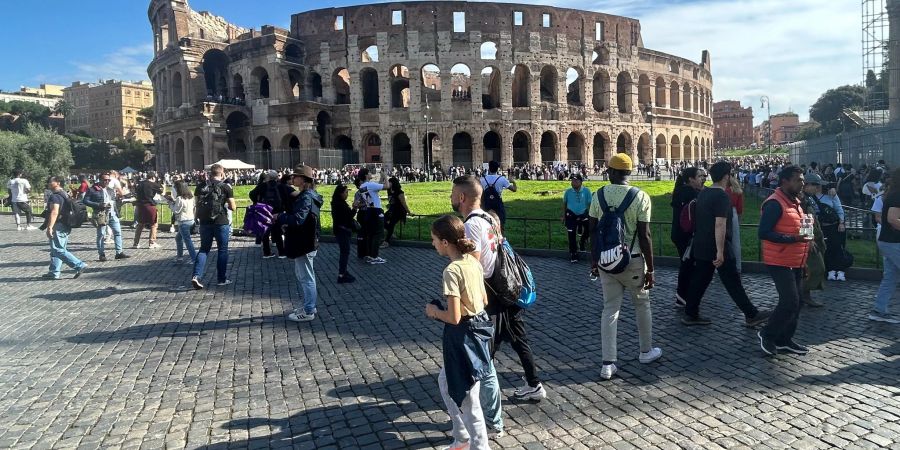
[466, 354]
[302, 224]
[94, 197]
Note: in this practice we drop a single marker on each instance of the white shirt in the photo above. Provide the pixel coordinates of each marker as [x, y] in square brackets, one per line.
[112, 186]
[878, 206]
[874, 185]
[480, 232]
[502, 184]
[18, 189]
[371, 188]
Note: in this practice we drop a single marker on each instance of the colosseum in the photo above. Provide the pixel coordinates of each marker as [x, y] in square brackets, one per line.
[421, 83]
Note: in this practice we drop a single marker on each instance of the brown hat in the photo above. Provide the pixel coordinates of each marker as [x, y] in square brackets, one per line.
[305, 172]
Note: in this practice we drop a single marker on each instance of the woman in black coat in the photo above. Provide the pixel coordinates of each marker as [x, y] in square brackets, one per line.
[344, 225]
[688, 184]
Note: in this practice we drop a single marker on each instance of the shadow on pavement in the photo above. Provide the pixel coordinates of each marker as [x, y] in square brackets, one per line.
[171, 329]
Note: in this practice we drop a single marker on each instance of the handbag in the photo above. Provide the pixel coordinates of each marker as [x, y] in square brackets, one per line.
[100, 218]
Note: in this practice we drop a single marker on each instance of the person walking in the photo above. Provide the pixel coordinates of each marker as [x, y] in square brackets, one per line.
[183, 207]
[784, 252]
[145, 209]
[637, 278]
[343, 226]
[105, 219]
[270, 193]
[19, 188]
[58, 230]
[492, 185]
[889, 246]
[467, 333]
[397, 209]
[712, 250]
[302, 228]
[576, 201]
[688, 185]
[214, 200]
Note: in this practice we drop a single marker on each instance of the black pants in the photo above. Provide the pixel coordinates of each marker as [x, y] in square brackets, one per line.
[390, 222]
[834, 248]
[509, 325]
[362, 237]
[374, 230]
[23, 208]
[684, 269]
[783, 323]
[274, 234]
[577, 224]
[701, 276]
[343, 240]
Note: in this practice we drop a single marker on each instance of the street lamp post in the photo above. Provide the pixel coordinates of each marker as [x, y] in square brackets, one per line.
[427, 142]
[764, 102]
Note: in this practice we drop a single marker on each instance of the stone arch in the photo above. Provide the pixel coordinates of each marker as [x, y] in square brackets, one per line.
[460, 82]
[675, 153]
[695, 103]
[431, 83]
[262, 152]
[402, 150]
[293, 53]
[489, 50]
[688, 153]
[177, 93]
[179, 155]
[575, 86]
[661, 146]
[340, 82]
[295, 85]
[549, 145]
[237, 128]
[644, 90]
[709, 149]
[490, 88]
[324, 129]
[674, 96]
[601, 91]
[686, 97]
[237, 87]
[575, 147]
[521, 147]
[290, 141]
[262, 143]
[661, 92]
[215, 68]
[644, 148]
[549, 86]
[260, 82]
[623, 143]
[600, 56]
[197, 161]
[601, 148]
[288, 152]
[431, 146]
[369, 54]
[372, 148]
[315, 85]
[698, 149]
[493, 147]
[521, 86]
[368, 80]
[399, 79]
[462, 149]
[345, 145]
[623, 92]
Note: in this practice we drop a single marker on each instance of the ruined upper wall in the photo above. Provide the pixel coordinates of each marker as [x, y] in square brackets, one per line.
[206, 25]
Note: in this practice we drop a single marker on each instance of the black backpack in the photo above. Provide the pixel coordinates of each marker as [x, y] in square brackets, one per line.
[272, 197]
[212, 199]
[490, 198]
[73, 213]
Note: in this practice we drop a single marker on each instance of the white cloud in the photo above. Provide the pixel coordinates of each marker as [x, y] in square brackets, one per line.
[125, 63]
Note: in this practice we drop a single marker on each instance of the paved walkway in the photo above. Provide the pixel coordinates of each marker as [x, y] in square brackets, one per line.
[125, 356]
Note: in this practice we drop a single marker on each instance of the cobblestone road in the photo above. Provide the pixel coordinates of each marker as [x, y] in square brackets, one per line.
[126, 356]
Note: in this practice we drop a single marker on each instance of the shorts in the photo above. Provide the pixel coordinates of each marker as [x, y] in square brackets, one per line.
[145, 213]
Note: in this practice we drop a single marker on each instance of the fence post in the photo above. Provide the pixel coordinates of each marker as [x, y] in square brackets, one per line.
[549, 239]
[525, 244]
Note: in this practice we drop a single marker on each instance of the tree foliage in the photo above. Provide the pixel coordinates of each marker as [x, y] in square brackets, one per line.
[827, 109]
[102, 155]
[38, 151]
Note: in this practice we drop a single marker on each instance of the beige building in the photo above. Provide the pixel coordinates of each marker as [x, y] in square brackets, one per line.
[109, 110]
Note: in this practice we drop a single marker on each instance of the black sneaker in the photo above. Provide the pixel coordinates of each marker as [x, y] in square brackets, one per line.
[573, 258]
[691, 321]
[766, 345]
[760, 318]
[793, 347]
[122, 256]
[79, 271]
[102, 258]
[346, 278]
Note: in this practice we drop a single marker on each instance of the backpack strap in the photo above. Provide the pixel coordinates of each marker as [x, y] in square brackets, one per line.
[495, 181]
[602, 199]
[626, 202]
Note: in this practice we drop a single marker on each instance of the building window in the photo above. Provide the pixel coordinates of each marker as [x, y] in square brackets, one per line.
[598, 31]
[545, 20]
[517, 18]
[396, 17]
[338, 23]
[459, 22]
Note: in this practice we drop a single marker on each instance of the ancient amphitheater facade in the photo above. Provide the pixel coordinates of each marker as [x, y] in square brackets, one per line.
[421, 83]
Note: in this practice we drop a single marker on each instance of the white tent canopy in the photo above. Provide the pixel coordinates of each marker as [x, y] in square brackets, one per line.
[128, 170]
[233, 164]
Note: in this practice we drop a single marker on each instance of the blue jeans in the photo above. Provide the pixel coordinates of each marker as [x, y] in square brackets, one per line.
[306, 282]
[489, 394]
[221, 233]
[116, 226]
[891, 254]
[183, 239]
[58, 252]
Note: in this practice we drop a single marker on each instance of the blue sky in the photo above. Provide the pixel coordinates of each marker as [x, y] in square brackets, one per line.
[791, 52]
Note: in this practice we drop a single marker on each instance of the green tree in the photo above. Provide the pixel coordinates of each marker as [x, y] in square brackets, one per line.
[145, 116]
[827, 109]
[63, 108]
[39, 151]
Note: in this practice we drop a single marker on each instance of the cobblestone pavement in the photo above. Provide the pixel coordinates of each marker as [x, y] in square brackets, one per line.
[126, 356]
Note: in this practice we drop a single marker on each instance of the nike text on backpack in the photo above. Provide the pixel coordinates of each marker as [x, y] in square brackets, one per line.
[74, 213]
[212, 199]
[258, 219]
[609, 249]
[688, 217]
[512, 281]
[490, 198]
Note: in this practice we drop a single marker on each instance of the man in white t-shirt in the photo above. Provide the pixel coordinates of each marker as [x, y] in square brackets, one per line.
[373, 225]
[492, 186]
[19, 188]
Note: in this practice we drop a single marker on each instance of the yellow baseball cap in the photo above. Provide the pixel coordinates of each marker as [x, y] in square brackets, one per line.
[620, 161]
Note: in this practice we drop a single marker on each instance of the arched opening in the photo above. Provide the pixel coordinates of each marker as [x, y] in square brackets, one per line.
[340, 81]
[574, 87]
[661, 92]
[601, 91]
[575, 147]
[601, 147]
[399, 86]
[431, 146]
[288, 153]
[431, 83]
[688, 151]
[600, 56]
[645, 149]
[686, 100]
[370, 54]
[196, 153]
[345, 145]
[237, 87]
[262, 152]
[674, 96]
[261, 82]
[488, 50]
[177, 98]
[461, 83]
[676, 149]
[623, 143]
[295, 85]
[315, 86]
[521, 86]
[644, 90]
[262, 144]
[521, 148]
[323, 128]
[660, 146]
[215, 69]
[402, 150]
[549, 87]
[492, 147]
[698, 151]
[490, 88]
[293, 53]
[623, 92]
[462, 150]
[368, 78]
[548, 147]
[179, 155]
[237, 128]
[372, 147]
[695, 103]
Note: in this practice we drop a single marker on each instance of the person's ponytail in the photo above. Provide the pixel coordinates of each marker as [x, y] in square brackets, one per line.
[465, 245]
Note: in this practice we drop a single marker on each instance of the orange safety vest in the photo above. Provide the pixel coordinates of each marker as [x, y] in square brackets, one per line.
[793, 254]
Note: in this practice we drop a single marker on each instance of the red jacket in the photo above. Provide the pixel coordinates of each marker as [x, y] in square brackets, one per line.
[786, 255]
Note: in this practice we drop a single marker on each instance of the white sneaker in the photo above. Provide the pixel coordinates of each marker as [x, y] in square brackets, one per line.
[154, 246]
[608, 370]
[20, 228]
[378, 260]
[494, 433]
[301, 317]
[30, 228]
[224, 283]
[832, 276]
[841, 276]
[530, 393]
[649, 357]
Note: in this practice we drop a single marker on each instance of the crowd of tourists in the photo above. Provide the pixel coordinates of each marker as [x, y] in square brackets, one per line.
[801, 221]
